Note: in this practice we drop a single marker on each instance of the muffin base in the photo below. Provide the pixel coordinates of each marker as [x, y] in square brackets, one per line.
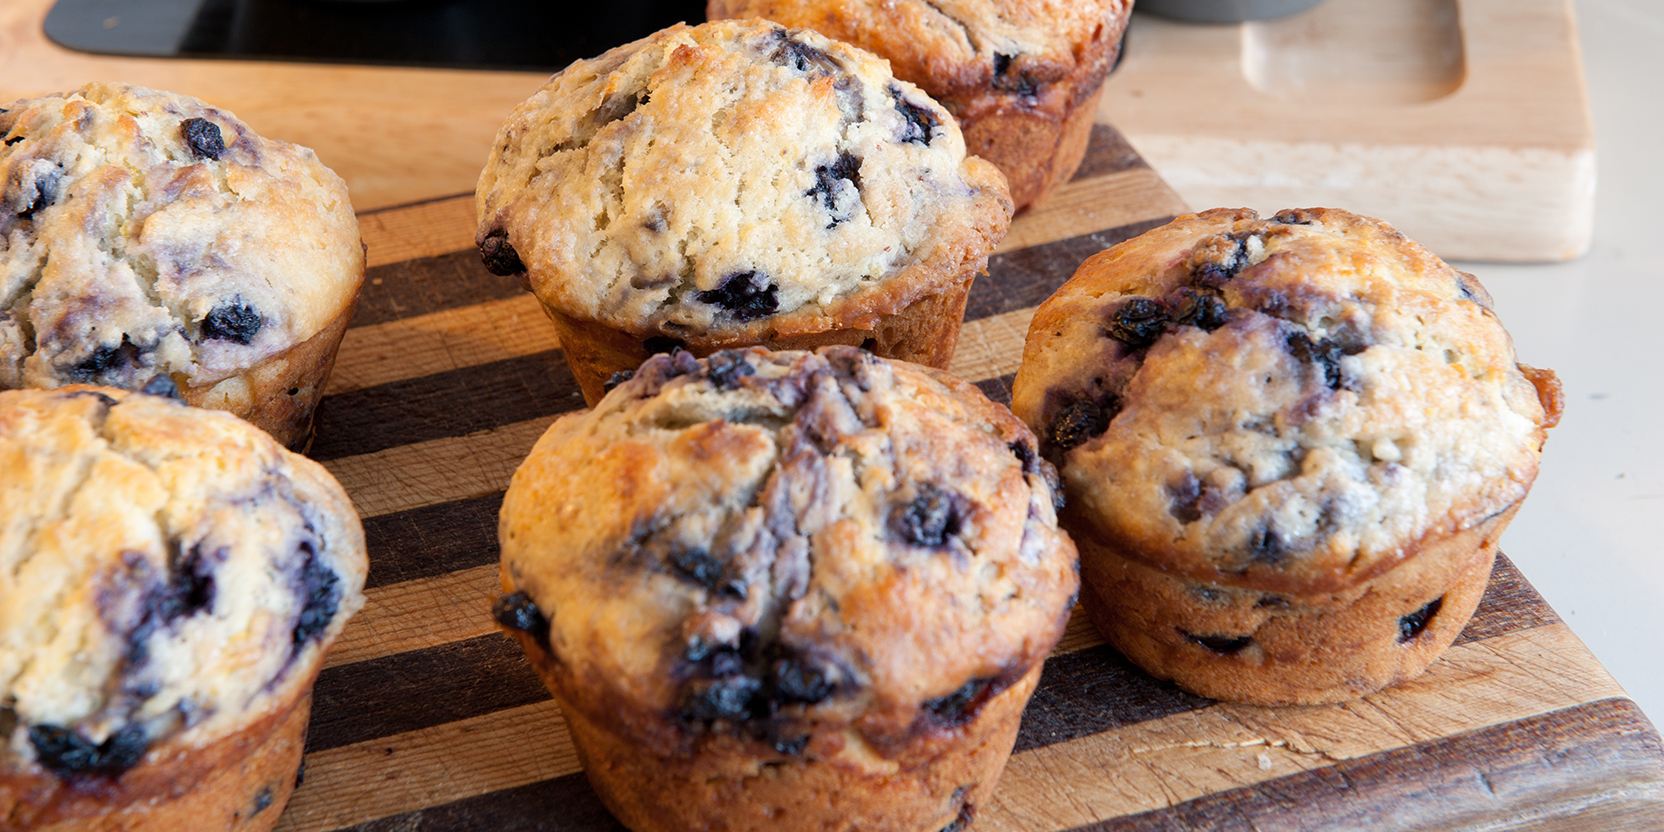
[1299, 650]
[281, 394]
[1036, 151]
[837, 784]
[237, 784]
[923, 332]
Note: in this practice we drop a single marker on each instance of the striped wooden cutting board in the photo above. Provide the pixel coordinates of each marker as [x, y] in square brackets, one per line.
[426, 718]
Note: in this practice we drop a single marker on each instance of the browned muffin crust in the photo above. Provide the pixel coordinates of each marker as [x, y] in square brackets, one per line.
[1290, 446]
[1022, 77]
[807, 589]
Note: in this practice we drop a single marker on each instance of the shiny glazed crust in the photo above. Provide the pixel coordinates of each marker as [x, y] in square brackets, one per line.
[768, 579]
[149, 238]
[1282, 440]
[1022, 77]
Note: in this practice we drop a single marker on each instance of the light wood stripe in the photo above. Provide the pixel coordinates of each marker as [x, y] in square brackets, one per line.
[991, 347]
[414, 770]
[1130, 769]
[440, 342]
[426, 612]
[1167, 761]
[439, 471]
[426, 230]
[1097, 204]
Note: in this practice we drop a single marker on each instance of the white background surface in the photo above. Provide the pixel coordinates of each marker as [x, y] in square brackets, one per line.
[1589, 537]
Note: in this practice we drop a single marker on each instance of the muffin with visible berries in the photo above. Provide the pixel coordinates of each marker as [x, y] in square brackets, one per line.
[1290, 446]
[154, 242]
[788, 590]
[1022, 77]
[174, 578]
[738, 183]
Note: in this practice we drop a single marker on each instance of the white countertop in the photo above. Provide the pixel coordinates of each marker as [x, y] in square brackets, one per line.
[1589, 536]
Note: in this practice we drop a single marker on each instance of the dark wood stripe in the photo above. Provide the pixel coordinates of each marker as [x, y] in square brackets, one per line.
[388, 209]
[1024, 278]
[441, 405]
[997, 389]
[419, 689]
[433, 540]
[1562, 758]
[560, 804]
[1094, 690]
[1510, 603]
[1107, 152]
[429, 284]
[1080, 693]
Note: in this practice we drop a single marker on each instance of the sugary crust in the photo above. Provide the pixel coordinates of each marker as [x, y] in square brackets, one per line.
[1352, 397]
[742, 182]
[1021, 76]
[1265, 648]
[239, 783]
[924, 332]
[145, 234]
[175, 576]
[770, 557]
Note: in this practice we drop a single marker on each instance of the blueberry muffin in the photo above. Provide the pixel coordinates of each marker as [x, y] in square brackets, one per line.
[738, 183]
[150, 241]
[1289, 446]
[788, 590]
[174, 577]
[1022, 77]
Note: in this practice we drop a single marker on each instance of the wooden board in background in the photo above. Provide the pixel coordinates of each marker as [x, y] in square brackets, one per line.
[427, 718]
[1465, 123]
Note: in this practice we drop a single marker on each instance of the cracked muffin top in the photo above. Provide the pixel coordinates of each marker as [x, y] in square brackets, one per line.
[766, 541]
[967, 50]
[169, 574]
[1290, 403]
[146, 234]
[735, 177]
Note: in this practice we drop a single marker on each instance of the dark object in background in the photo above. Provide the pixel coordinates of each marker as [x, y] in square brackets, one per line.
[1224, 11]
[461, 34]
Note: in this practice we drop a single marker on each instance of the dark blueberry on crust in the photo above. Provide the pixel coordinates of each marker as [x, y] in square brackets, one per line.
[960, 707]
[1294, 216]
[1325, 354]
[24, 200]
[1077, 423]
[617, 378]
[1025, 455]
[1224, 645]
[1198, 309]
[727, 367]
[967, 813]
[697, 565]
[803, 57]
[300, 773]
[499, 255]
[104, 357]
[933, 515]
[262, 801]
[202, 137]
[729, 697]
[1184, 500]
[1017, 82]
[1139, 322]
[517, 611]
[65, 752]
[918, 123]
[658, 345]
[801, 680]
[1272, 602]
[164, 386]
[1215, 272]
[748, 295]
[1267, 546]
[726, 663]
[188, 590]
[792, 746]
[235, 321]
[321, 589]
[845, 167]
[1413, 624]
